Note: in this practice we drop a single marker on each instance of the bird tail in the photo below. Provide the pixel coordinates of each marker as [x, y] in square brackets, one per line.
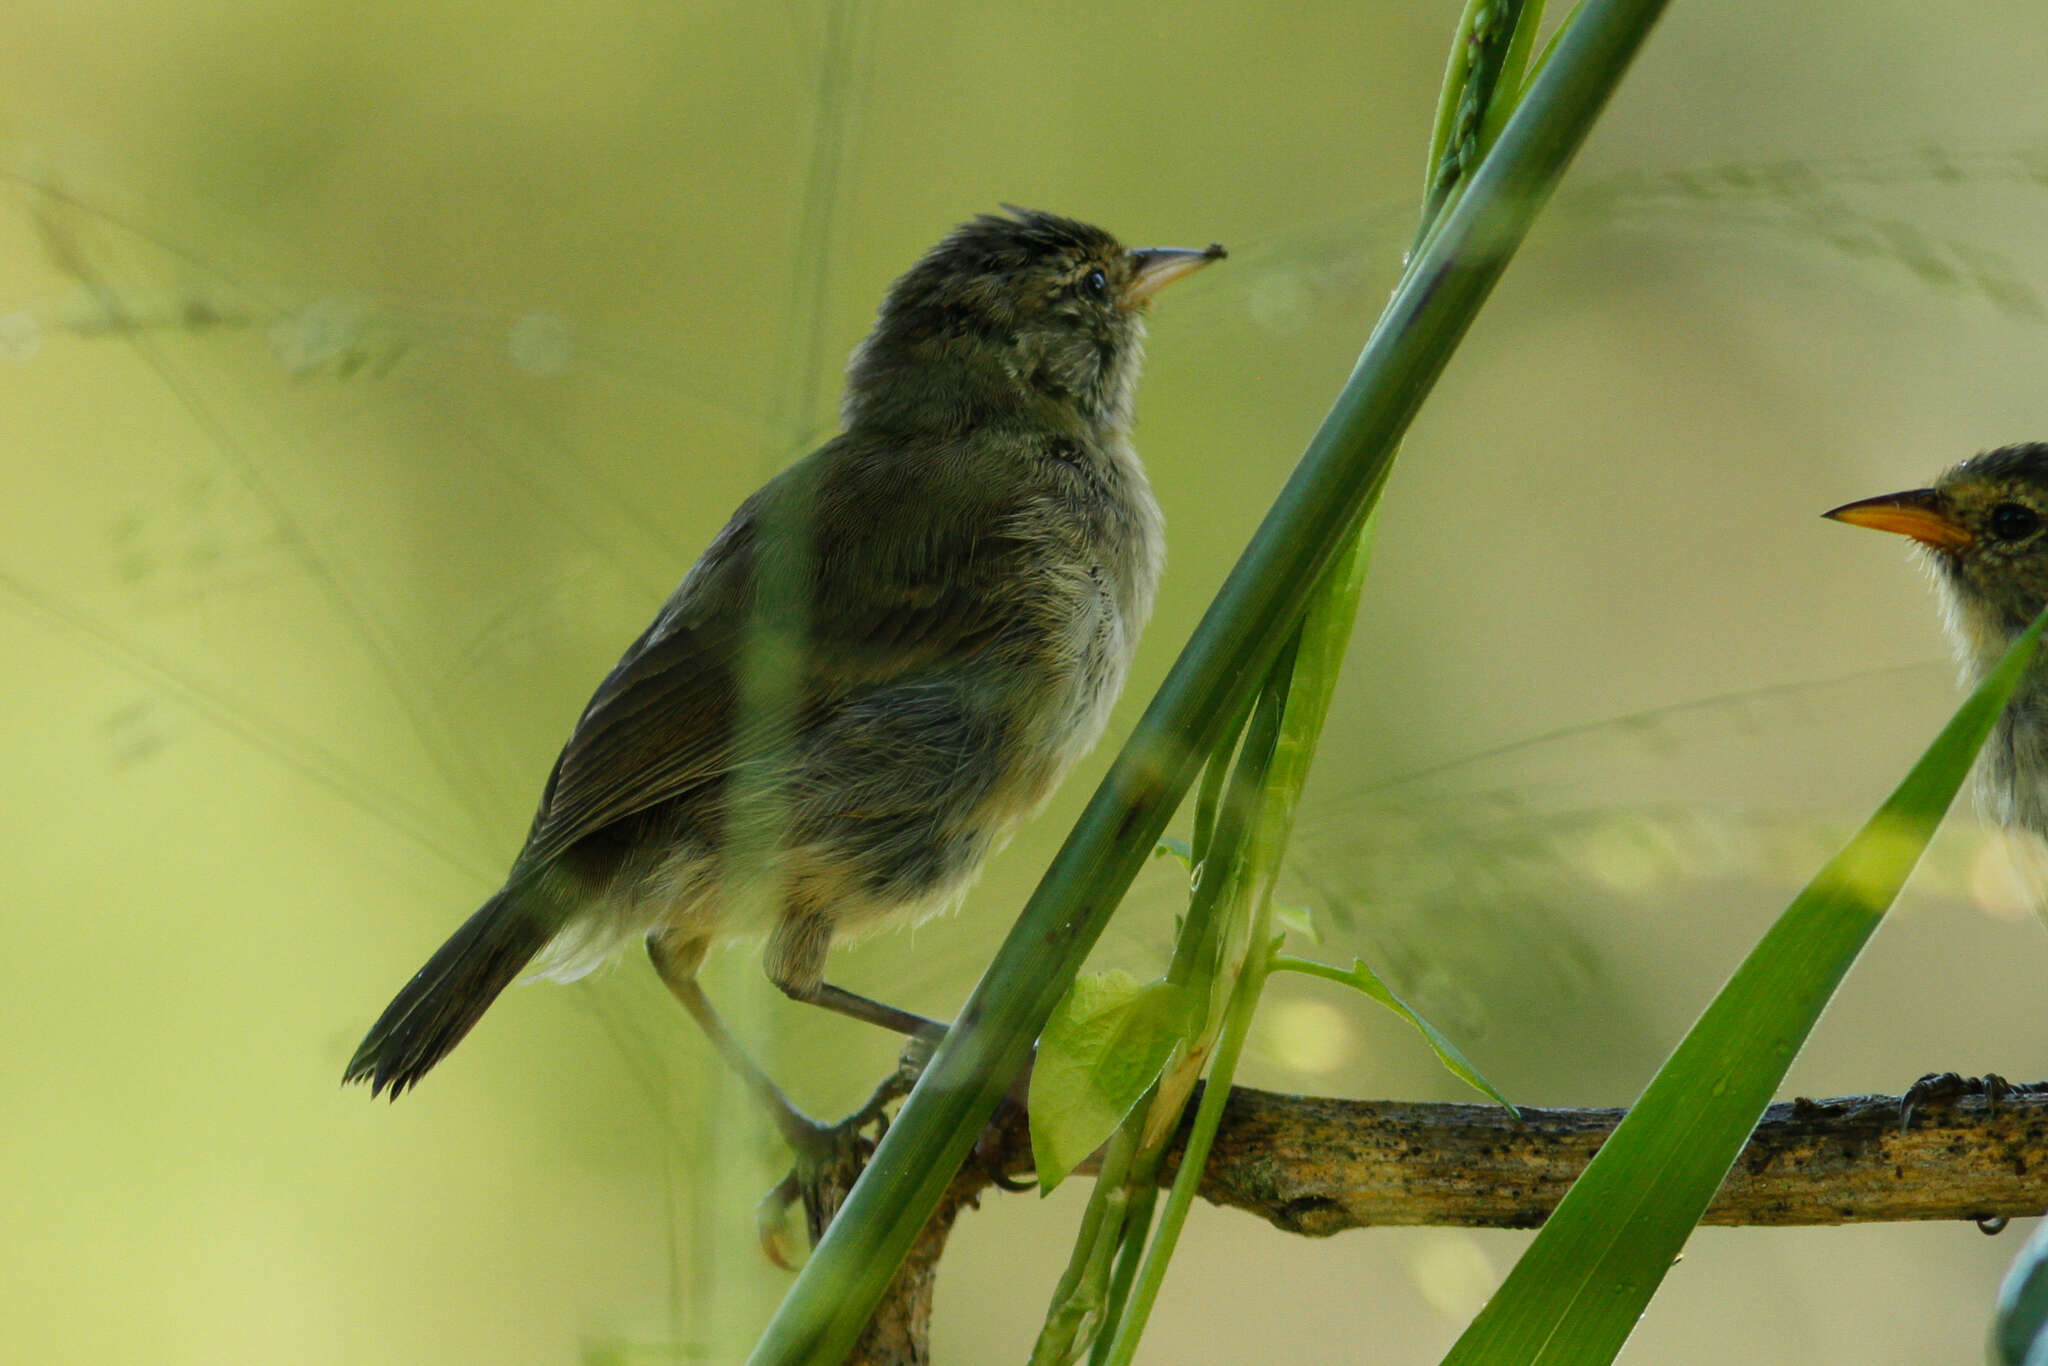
[433, 1011]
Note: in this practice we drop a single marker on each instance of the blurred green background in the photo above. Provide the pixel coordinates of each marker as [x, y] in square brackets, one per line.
[370, 372]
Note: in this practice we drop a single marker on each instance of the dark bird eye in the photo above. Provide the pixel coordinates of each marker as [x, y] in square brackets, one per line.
[2014, 521]
[1095, 282]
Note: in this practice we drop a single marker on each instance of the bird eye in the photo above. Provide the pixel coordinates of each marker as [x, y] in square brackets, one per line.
[2014, 521]
[1095, 282]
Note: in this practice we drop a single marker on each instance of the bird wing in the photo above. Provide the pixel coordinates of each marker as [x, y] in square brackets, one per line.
[884, 604]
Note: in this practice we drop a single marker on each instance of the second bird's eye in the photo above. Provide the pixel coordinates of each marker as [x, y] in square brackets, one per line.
[1095, 282]
[2013, 521]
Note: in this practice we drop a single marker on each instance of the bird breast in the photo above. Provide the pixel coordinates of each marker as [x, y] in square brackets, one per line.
[1105, 580]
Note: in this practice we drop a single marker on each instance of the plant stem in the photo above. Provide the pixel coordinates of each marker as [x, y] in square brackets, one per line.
[1101, 1226]
[1237, 1025]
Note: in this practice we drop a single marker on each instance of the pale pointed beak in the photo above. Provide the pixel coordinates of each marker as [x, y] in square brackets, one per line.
[1916, 512]
[1154, 268]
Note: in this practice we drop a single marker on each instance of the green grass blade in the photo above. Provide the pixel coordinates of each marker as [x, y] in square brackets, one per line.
[1578, 1291]
[2019, 1333]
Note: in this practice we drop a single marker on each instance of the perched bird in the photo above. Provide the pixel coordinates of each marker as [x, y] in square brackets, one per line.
[1984, 528]
[885, 661]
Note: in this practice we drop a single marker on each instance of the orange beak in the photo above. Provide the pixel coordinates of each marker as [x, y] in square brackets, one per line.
[1158, 267]
[1916, 512]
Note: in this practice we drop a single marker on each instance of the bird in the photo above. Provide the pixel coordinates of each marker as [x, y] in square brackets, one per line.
[1983, 529]
[884, 662]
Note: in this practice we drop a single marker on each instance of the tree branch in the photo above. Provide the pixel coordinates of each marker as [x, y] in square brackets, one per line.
[1317, 1165]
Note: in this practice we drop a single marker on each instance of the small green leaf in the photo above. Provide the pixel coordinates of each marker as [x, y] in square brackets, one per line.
[1363, 979]
[1299, 920]
[2020, 1334]
[1100, 1053]
[1175, 849]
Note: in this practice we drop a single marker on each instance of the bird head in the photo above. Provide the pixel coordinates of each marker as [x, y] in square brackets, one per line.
[1984, 527]
[1024, 309]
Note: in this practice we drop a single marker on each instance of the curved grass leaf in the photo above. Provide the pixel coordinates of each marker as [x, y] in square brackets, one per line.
[1365, 981]
[1580, 1288]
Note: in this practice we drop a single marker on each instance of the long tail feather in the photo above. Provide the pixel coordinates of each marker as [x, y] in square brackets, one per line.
[445, 998]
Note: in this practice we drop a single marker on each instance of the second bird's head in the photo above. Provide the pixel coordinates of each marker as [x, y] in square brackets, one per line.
[1984, 526]
[1024, 309]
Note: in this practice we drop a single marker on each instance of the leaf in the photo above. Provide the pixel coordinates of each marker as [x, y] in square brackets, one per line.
[1578, 1291]
[1301, 920]
[1180, 851]
[1363, 979]
[1100, 1053]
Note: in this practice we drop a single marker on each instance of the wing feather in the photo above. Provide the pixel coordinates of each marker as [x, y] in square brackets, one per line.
[883, 610]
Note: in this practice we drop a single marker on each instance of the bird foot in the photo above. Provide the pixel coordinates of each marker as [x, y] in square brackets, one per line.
[1946, 1088]
[1005, 1133]
[829, 1158]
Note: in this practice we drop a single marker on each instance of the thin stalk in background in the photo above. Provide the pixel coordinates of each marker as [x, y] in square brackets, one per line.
[725, 1306]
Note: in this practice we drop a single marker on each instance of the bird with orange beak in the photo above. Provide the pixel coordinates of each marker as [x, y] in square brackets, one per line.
[1983, 530]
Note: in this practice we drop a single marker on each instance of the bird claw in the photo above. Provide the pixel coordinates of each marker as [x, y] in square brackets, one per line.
[995, 1142]
[829, 1158]
[771, 1221]
[1946, 1088]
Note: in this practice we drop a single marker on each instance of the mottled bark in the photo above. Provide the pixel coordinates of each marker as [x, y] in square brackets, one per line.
[1315, 1166]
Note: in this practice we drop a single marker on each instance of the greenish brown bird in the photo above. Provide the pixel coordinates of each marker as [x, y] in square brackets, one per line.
[885, 661]
[1983, 529]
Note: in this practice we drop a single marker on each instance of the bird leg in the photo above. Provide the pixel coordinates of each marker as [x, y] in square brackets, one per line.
[795, 960]
[855, 1006]
[677, 964]
[828, 1156]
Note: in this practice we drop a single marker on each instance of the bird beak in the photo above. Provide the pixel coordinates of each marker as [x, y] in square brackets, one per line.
[1154, 268]
[1916, 512]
